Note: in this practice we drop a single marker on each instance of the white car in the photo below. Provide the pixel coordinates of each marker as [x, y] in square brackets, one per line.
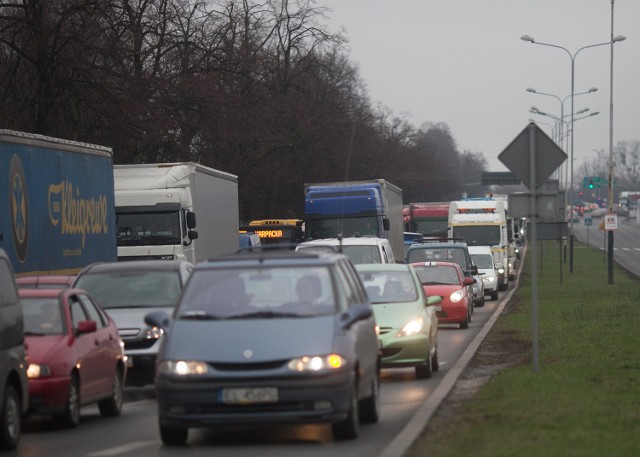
[483, 259]
[360, 250]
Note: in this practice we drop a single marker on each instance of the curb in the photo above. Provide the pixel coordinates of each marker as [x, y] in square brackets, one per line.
[403, 440]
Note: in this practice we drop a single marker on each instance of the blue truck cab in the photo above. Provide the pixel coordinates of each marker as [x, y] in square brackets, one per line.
[354, 208]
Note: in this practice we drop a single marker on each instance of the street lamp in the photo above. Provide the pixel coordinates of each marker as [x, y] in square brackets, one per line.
[573, 61]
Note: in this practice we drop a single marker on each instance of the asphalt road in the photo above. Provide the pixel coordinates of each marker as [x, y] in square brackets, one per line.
[406, 403]
[626, 242]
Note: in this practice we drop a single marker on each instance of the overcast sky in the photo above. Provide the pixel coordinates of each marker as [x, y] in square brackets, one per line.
[462, 63]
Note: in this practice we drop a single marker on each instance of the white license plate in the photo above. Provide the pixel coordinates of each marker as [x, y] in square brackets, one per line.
[250, 395]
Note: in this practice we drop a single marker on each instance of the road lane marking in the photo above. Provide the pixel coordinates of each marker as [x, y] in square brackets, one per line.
[122, 449]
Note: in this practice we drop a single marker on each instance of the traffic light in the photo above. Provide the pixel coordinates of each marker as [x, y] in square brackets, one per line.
[591, 184]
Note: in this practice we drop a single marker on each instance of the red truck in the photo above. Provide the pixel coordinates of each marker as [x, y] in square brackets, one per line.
[428, 218]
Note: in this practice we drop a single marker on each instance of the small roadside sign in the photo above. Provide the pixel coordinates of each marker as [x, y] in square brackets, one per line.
[611, 222]
[588, 221]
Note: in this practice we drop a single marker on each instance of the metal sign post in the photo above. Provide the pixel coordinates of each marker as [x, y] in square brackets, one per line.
[544, 156]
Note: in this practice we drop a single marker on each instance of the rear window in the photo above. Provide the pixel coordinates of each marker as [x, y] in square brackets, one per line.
[440, 254]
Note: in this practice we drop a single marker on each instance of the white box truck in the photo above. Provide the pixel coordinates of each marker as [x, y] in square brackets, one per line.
[482, 222]
[157, 205]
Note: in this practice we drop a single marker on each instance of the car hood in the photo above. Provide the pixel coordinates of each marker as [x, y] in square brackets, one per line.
[41, 346]
[442, 290]
[395, 315]
[133, 317]
[265, 339]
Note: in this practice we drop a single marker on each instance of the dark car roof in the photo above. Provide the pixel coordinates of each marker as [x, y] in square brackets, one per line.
[133, 265]
[274, 258]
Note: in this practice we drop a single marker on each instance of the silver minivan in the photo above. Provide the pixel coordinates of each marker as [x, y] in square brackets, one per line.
[14, 385]
[127, 291]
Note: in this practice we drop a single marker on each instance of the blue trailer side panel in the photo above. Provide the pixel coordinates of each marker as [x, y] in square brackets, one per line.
[56, 204]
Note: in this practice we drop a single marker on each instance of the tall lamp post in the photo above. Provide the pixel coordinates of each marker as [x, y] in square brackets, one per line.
[610, 184]
[573, 61]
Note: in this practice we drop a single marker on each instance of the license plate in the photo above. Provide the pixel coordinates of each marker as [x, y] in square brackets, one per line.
[248, 395]
[438, 308]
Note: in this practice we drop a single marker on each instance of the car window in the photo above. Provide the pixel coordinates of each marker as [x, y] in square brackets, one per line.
[237, 292]
[355, 292]
[484, 261]
[389, 286]
[438, 275]
[125, 289]
[77, 312]
[92, 311]
[42, 316]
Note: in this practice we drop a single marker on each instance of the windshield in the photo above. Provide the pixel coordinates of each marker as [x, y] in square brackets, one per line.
[389, 286]
[438, 275]
[345, 227]
[478, 235]
[483, 261]
[431, 227]
[42, 316]
[253, 292]
[434, 254]
[132, 289]
[148, 228]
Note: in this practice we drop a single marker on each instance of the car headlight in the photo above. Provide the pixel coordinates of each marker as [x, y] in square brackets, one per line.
[153, 333]
[317, 363]
[411, 328]
[35, 371]
[489, 278]
[456, 296]
[183, 367]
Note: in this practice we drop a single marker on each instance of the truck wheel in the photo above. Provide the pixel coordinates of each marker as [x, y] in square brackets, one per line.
[10, 425]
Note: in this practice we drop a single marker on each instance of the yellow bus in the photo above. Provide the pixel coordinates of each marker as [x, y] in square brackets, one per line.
[276, 231]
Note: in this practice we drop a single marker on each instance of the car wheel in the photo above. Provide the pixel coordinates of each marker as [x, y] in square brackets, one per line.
[10, 420]
[349, 428]
[173, 436]
[424, 371]
[482, 302]
[370, 406]
[464, 324]
[112, 406]
[435, 364]
[494, 295]
[71, 416]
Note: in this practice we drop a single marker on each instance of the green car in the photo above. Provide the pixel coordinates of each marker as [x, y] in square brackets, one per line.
[406, 318]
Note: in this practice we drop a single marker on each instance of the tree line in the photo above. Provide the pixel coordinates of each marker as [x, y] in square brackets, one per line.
[261, 89]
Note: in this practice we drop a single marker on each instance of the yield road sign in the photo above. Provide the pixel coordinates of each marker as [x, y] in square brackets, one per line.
[548, 156]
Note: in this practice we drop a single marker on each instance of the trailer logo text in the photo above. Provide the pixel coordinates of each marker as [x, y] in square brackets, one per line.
[77, 215]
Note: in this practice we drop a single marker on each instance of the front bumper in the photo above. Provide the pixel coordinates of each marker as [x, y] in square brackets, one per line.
[307, 399]
[406, 351]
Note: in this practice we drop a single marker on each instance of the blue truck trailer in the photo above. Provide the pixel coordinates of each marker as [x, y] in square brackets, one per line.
[57, 211]
[355, 208]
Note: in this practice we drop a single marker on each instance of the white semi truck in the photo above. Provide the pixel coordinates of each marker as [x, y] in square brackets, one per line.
[157, 205]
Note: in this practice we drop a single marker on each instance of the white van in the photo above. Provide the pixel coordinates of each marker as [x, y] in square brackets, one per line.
[359, 249]
[483, 259]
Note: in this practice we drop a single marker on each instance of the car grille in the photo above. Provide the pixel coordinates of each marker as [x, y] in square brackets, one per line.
[219, 408]
[141, 344]
[441, 314]
[385, 330]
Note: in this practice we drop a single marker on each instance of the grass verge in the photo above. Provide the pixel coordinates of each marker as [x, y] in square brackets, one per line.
[585, 398]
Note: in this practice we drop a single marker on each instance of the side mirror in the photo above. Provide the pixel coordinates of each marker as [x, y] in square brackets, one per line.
[158, 319]
[434, 300]
[468, 281]
[356, 313]
[86, 327]
[191, 219]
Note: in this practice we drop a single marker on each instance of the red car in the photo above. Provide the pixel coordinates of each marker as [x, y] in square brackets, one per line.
[75, 355]
[45, 281]
[447, 280]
